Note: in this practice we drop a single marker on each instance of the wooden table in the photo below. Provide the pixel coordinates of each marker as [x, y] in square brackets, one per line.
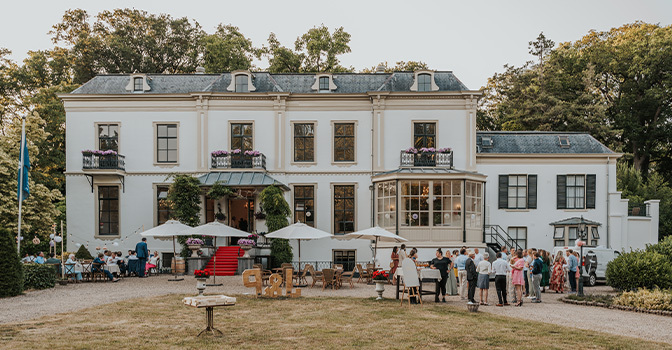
[209, 302]
[426, 275]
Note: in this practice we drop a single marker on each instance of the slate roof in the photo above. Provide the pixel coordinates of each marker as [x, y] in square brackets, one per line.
[539, 142]
[115, 84]
[240, 178]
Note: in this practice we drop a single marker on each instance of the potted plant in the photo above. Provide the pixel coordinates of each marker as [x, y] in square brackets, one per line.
[194, 244]
[246, 244]
[260, 215]
[411, 150]
[201, 277]
[380, 277]
[220, 216]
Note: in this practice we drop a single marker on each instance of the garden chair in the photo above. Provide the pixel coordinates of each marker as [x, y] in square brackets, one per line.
[265, 274]
[363, 274]
[328, 278]
[97, 272]
[70, 272]
[348, 277]
[87, 275]
[154, 270]
[315, 275]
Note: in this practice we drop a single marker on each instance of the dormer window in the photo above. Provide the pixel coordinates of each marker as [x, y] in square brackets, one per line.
[138, 84]
[564, 141]
[424, 82]
[324, 82]
[241, 83]
[486, 142]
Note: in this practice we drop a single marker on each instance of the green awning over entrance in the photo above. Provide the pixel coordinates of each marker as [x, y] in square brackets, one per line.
[575, 221]
[240, 179]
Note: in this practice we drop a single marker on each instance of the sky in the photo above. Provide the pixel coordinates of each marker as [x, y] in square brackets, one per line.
[474, 39]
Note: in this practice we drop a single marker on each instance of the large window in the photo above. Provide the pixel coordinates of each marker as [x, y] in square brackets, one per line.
[424, 82]
[447, 203]
[386, 194]
[304, 205]
[163, 212]
[108, 137]
[108, 210]
[576, 191]
[304, 142]
[344, 142]
[519, 235]
[166, 143]
[517, 191]
[241, 83]
[344, 209]
[324, 84]
[415, 203]
[242, 136]
[345, 258]
[473, 202]
[424, 135]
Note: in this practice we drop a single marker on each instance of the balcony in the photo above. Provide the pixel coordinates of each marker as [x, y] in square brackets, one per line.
[99, 161]
[238, 161]
[427, 159]
[638, 209]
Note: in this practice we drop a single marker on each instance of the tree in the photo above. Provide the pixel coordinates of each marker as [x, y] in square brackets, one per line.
[11, 279]
[277, 211]
[541, 48]
[282, 59]
[184, 196]
[83, 253]
[227, 50]
[401, 66]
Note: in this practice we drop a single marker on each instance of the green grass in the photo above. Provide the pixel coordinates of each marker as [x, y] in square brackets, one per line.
[304, 323]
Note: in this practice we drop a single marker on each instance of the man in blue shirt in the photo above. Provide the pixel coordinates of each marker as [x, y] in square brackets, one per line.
[505, 256]
[573, 263]
[40, 258]
[461, 262]
[537, 266]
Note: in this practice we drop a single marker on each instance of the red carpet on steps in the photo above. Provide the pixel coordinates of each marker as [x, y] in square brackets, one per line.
[227, 261]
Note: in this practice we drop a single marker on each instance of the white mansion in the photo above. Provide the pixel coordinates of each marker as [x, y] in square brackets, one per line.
[398, 150]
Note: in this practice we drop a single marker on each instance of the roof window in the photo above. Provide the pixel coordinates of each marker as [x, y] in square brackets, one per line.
[486, 142]
[564, 141]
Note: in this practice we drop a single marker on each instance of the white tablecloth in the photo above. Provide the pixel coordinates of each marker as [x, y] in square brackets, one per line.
[423, 273]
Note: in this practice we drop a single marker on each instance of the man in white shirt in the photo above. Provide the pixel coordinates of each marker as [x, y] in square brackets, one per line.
[478, 257]
[501, 267]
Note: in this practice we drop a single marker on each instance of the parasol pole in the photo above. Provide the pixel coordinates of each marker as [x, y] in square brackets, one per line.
[214, 266]
[62, 261]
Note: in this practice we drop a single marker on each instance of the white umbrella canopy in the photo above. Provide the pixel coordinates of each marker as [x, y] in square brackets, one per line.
[299, 231]
[169, 228]
[214, 229]
[376, 234]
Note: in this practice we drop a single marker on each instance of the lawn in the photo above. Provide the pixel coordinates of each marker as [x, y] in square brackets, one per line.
[308, 323]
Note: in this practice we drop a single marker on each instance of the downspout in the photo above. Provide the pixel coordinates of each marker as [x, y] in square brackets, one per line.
[373, 211]
[483, 211]
[608, 238]
[464, 211]
[396, 207]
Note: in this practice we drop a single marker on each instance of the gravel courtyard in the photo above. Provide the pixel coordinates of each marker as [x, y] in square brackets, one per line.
[75, 297]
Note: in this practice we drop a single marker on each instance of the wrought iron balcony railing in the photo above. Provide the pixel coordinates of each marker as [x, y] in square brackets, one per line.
[107, 162]
[241, 161]
[638, 209]
[427, 159]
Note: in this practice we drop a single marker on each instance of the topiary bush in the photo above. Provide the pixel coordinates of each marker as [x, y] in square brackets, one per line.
[83, 253]
[39, 276]
[639, 269]
[11, 277]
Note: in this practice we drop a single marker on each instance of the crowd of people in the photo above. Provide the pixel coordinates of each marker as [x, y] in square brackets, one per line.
[521, 274]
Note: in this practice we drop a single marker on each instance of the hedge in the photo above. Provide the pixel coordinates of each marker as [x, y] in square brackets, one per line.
[639, 269]
[646, 299]
[11, 273]
[39, 276]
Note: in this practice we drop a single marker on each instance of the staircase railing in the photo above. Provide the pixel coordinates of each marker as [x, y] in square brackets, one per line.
[495, 234]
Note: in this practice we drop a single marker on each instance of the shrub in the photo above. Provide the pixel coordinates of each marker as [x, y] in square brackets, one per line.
[663, 247]
[639, 269]
[11, 275]
[83, 253]
[39, 276]
[281, 252]
[646, 299]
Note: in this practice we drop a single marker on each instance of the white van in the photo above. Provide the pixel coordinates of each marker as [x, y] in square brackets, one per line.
[596, 260]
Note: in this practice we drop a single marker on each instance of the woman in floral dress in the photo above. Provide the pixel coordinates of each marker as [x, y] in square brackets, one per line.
[558, 274]
[517, 277]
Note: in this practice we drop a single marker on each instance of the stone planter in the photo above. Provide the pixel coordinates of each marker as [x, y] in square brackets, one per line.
[380, 288]
[200, 285]
[194, 249]
[246, 249]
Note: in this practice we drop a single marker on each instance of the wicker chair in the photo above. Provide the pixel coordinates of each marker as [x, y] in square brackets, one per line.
[315, 275]
[328, 278]
[265, 274]
[363, 274]
[348, 277]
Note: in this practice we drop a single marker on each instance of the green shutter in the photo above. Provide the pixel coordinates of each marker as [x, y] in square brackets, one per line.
[562, 192]
[503, 191]
[591, 182]
[532, 191]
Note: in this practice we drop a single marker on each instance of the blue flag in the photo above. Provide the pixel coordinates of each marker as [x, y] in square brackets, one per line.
[23, 173]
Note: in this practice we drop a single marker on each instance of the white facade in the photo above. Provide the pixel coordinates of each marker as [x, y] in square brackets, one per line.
[384, 123]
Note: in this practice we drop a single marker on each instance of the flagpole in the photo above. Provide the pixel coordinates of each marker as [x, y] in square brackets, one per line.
[21, 170]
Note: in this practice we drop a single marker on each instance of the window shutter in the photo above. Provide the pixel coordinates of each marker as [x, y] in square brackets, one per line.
[562, 192]
[591, 182]
[532, 191]
[503, 191]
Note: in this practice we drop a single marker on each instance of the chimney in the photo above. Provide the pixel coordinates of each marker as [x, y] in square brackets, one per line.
[200, 70]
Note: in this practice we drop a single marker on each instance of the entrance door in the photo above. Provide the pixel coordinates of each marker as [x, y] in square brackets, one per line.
[241, 216]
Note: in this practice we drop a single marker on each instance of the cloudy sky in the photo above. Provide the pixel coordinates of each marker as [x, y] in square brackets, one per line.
[474, 39]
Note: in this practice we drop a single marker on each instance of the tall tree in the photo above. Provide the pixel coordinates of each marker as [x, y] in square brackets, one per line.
[282, 59]
[400, 66]
[227, 50]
